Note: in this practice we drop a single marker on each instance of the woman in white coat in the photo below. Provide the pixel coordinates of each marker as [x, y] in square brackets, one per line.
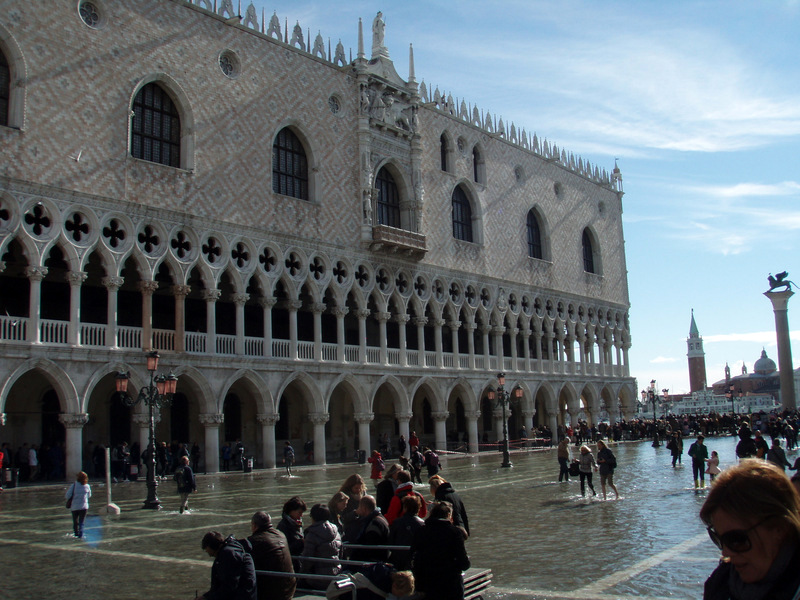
[78, 495]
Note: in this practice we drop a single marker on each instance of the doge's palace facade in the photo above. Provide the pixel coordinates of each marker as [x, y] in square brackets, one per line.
[319, 249]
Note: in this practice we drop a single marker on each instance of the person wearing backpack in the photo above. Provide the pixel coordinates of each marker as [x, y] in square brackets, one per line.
[184, 477]
[607, 462]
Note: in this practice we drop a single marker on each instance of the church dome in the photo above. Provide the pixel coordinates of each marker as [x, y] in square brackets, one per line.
[764, 365]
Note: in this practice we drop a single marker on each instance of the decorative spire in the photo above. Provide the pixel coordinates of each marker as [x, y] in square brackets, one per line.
[360, 55]
[411, 76]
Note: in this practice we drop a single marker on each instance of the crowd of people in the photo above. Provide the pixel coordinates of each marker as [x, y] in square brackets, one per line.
[412, 545]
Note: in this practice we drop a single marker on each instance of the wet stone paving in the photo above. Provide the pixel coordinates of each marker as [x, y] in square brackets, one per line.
[541, 539]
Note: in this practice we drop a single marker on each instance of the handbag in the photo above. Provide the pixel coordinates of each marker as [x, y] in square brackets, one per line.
[69, 500]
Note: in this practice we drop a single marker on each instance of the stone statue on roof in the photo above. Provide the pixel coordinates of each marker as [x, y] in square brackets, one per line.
[378, 28]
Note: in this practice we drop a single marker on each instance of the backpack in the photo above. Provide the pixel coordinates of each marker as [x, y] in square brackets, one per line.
[433, 459]
[180, 477]
[611, 461]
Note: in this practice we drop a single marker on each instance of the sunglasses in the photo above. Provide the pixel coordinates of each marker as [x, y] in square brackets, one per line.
[736, 540]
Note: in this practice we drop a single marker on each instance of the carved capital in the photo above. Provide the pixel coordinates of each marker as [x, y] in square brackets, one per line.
[211, 419]
[454, 325]
[340, 312]
[363, 313]
[142, 420]
[267, 419]
[73, 420]
[382, 317]
[240, 299]
[294, 305]
[76, 278]
[403, 417]
[113, 283]
[148, 287]
[486, 328]
[472, 414]
[420, 321]
[438, 322]
[35, 273]
[363, 417]
[440, 415]
[267, 302]
[526, 332]
[513, 331]
[181, 290]
[402, 319]
[211, 295]
[498, 330]
[319, 418]
[470, 326]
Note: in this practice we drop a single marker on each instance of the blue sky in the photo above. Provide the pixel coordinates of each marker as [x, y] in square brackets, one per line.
[699, 100]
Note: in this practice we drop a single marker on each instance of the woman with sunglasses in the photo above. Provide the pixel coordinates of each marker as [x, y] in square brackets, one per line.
[753, 515]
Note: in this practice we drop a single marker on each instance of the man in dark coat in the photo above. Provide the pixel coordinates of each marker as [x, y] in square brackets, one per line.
[291, 524]
[184, 477]
[372, 530]
[233, 576]
[443, 491]
[439, 556]
[270, 552]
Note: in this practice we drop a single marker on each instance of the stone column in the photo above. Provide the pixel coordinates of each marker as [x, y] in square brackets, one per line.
[454, 325]
[211, 422]
[147, 288]
[401, 331]
[404, 419]
[293, 306]
[498, 348]
[780, 306]
[362, 314]
[180, 292]
[340, 312]
[472, 417]
[75, 280]
[437, 341]
[440, 422]
[267, 422]
[112, 284]
[420, 322]
[526, 348]
[485, 329]
[317, 309]
[320, 451]
[240, 300]
[364, 441]
[211, 297]
[382, 318]
[471, 327]
[512, 334]
[73, 423]
[497, 413]
[35, 276]
[267, 304]
[553, 419]
[601, 355]
[626, 366]
[142, 421]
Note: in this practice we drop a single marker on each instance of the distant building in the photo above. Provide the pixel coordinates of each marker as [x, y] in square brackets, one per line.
[697, 358]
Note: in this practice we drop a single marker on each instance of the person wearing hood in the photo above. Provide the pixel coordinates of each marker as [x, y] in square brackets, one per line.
[404, 488]
[386, 488]
[321, 540]
[233, 576]
[443, 491]
[291, 524]
[439, 556]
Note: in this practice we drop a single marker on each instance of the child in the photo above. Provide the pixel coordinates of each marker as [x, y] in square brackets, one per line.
[713, 465]
[402, 585]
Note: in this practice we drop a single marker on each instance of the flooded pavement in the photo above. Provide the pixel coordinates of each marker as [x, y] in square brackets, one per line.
[541, 538]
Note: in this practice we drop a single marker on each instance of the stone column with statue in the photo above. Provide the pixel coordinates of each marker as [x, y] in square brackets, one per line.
[780, 306]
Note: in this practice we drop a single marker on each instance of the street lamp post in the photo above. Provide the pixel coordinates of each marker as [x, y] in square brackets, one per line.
[159, 393]
[649, 395]
[665, 391]
[503, 398]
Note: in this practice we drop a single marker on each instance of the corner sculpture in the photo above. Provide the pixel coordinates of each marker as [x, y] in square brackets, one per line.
[780, 281]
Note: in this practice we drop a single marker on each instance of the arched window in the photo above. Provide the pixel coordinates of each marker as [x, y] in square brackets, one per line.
[476, 162]
[289, 165]
[588, 252]
[534, 236]
[388, 206]
[156, 134]
[5, 89]
[444, 149]
[462, 216]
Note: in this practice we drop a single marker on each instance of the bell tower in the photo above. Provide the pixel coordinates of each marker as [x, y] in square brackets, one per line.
[697, 358]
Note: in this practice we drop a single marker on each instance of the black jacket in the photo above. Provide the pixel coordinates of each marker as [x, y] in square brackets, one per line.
[439, 558]
[270, 552]
[294, 534]
[374, 531]
[233, 576]
[445, 492]
[717, 586]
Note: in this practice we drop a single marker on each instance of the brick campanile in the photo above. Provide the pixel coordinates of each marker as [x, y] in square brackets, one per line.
[697, 358]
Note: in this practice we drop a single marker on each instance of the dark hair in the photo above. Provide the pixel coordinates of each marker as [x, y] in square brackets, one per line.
[261, 520]
[403, 477]
[213, 540]
[294, 503]
[320, 512]
[441, 510]
[411, 504]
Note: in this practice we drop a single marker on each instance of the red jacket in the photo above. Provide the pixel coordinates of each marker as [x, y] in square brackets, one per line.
[377, 466]
[396, 505]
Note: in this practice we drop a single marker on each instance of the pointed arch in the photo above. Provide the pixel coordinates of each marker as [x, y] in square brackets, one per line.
[13, 82]
[56, 377]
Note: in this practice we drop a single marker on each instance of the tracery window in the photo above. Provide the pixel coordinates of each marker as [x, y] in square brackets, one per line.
[476, 161]
[5, 88]
[388, 205]
[289, 165]
[444, 149]
[156, 131]
[462, 216]
[588, 252]
[534, 236]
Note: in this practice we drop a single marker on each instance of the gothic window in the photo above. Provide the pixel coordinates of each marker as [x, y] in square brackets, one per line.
[534, 236]
[388, 207]
[444, 150]
[588, 252]
[156, 134]
[289, 165]
[462, 216]
[5, 88]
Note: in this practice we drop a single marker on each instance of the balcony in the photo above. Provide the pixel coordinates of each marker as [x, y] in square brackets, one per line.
[398, 241]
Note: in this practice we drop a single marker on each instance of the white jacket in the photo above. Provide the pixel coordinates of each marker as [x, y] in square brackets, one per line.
[80, 493]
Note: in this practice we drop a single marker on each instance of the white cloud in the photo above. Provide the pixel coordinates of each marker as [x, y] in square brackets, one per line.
[760, 337]
[663, 359]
